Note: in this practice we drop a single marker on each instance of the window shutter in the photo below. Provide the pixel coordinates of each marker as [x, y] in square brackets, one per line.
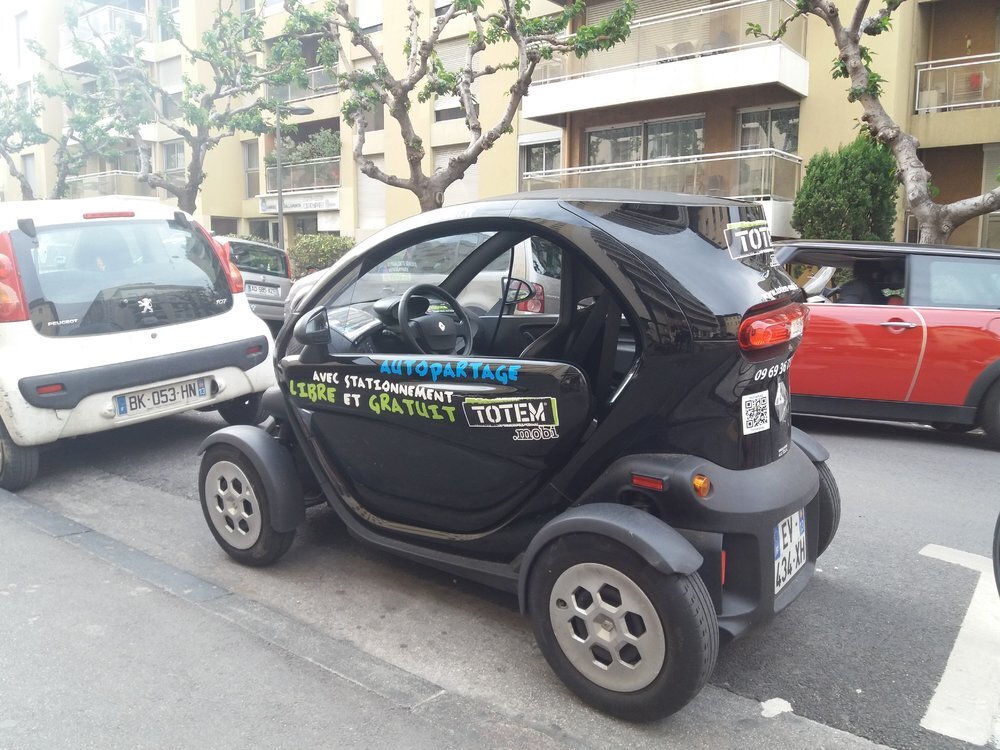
[371, 198]
[460, 191]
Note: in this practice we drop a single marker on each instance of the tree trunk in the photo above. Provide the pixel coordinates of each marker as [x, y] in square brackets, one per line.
[27, 194]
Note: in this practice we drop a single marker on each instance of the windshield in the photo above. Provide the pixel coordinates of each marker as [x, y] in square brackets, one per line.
[103, 277]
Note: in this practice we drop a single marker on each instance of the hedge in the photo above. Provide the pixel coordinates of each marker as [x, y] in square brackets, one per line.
[320, 250]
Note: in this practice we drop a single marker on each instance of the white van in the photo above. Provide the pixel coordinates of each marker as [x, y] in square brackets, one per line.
[113, 312]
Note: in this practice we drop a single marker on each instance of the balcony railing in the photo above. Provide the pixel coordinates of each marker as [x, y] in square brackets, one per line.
[315, 174]
[107, 183]
[958, 83]
[321, 82]
[707, 30]
[105, 21]
[760, 173]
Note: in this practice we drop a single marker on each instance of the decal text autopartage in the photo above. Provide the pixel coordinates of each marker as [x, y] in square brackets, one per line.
[461, 370]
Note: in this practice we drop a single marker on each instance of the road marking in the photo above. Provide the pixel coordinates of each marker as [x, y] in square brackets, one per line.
[966, 703]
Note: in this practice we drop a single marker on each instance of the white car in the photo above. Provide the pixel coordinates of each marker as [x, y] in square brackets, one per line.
[113, 312]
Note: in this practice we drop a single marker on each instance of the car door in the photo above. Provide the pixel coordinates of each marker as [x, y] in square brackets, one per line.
[859, 351]
[450, 443]
[959, 298]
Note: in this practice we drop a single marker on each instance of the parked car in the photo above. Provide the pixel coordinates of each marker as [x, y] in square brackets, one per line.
[913, 336]
[625, 463]
[535, 260]
[114, 312]
[267, 276]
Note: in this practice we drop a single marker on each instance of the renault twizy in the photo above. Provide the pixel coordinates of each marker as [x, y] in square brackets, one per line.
[619, 455]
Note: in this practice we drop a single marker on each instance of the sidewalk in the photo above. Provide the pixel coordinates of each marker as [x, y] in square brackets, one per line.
[96, 654]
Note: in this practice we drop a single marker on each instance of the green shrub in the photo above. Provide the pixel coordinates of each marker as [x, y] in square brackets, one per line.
[849, 194]
[320, 250]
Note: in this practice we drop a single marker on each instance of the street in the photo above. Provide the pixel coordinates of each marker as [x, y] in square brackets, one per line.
[877, 650]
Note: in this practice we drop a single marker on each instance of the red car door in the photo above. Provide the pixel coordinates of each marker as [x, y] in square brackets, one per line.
[960, 345]
[859, 351]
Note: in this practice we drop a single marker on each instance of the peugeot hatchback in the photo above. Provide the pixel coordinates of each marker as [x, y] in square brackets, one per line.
[114, 312]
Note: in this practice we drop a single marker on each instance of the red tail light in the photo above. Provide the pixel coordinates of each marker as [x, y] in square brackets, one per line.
[773, 327]
[225, 254]
[536, 304]
[12, 303]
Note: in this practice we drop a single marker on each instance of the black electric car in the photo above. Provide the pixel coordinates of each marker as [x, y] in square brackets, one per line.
[625, 464]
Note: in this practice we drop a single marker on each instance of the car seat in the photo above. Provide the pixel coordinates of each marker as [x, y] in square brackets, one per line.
[104, 250]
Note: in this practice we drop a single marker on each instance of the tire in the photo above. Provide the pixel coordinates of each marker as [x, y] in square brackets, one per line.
[952, 427]
[829, 507]
[18, 463]
[237, 509]
[989, 415]
[664, 636]
[245, 410]
[996, 554]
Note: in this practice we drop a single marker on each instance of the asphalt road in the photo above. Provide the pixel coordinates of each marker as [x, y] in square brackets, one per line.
[859, 657]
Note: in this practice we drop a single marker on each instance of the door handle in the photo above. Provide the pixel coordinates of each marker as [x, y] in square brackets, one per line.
[897, 324]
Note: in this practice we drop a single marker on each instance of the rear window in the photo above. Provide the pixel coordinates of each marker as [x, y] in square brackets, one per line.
[103, 277]
[259, 259]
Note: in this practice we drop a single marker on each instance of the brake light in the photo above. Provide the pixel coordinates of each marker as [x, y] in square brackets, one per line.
[645, 482]
[536, 304]
[773, 327]
[109, 215]
[13, 306]
[225, 253]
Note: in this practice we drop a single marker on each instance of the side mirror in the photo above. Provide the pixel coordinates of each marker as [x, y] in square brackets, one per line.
[517, 290]
[313, 329]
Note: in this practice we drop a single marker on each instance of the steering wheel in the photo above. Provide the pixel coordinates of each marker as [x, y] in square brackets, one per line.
[440, 331]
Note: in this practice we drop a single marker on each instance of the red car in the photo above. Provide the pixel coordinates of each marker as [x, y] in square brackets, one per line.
[913, 336]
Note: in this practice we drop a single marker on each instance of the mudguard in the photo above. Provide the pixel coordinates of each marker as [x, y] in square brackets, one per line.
[646, 535]
[276, 467]
[810, 446]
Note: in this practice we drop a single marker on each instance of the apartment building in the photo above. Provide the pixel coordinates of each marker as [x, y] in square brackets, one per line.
[688, 103]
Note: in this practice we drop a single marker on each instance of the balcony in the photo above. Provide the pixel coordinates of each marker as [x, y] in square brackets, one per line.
[305, 186]
[677, 54]
[956, 100]
[768, 176]
[103, 22]
[108, 183]
[320, 83]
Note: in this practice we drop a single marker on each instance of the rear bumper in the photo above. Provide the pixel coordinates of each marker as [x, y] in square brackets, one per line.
[738, 517]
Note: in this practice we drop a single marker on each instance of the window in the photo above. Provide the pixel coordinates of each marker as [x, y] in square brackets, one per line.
[24, 95]
[453, 55]
[169, 75]
[441, 7]
[248, 10]
[306, 224]
[770, 128]
[675, 138]
[540, 157]
[20, 33]
[251, 168]
[955, 282]
[173, 8]
[28, 169]
[614, 145]
[260, 228]
[224, 225]
[173, 157]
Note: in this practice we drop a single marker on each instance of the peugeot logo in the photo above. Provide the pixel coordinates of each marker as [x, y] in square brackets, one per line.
[441, 326]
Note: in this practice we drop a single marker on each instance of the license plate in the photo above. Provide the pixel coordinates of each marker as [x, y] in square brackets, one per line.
[267, 291]
[789, 548]
[164, 397]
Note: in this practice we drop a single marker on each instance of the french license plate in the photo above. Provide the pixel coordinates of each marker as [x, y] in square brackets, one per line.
[789, 548]
[164, 397]
[267, 291]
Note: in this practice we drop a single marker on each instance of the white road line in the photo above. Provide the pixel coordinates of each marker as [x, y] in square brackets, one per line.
[966, 703]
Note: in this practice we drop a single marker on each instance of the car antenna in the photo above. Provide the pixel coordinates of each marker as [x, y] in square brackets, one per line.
[28, 227]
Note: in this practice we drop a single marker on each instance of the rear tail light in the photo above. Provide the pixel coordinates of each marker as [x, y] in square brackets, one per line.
[225, 253]
[109, 215]
[13, 306]
[773, 327]
[536, 304]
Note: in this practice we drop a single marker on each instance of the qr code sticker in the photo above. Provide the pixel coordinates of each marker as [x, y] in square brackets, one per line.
[756, 413]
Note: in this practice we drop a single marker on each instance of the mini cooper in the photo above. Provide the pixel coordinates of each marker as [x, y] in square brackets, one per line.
[624, 464]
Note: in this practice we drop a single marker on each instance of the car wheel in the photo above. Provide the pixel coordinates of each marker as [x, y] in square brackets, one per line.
[18, 463]
[246, 410]
[626, 638]
[996, 554]
[952, 427]
[829, 507]
[989, 415]
[236, 508]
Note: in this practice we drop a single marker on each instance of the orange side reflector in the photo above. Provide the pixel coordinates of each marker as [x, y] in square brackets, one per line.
[723, 567]
[702, 485]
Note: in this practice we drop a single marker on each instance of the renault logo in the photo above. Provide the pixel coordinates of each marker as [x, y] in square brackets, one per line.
[441, 325]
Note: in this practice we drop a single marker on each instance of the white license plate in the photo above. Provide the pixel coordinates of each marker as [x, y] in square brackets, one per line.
[267, 291]
[164, 397]
[789, 548]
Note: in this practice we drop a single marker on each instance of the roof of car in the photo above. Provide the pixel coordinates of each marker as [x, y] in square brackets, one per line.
[244, 240]
[620, 195]
[860, 249]
[53, 212]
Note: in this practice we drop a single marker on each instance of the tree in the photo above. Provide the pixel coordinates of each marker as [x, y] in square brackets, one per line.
[936, 221]
[848, 195]
[82, 133]
[203, 113]
[425, 76]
